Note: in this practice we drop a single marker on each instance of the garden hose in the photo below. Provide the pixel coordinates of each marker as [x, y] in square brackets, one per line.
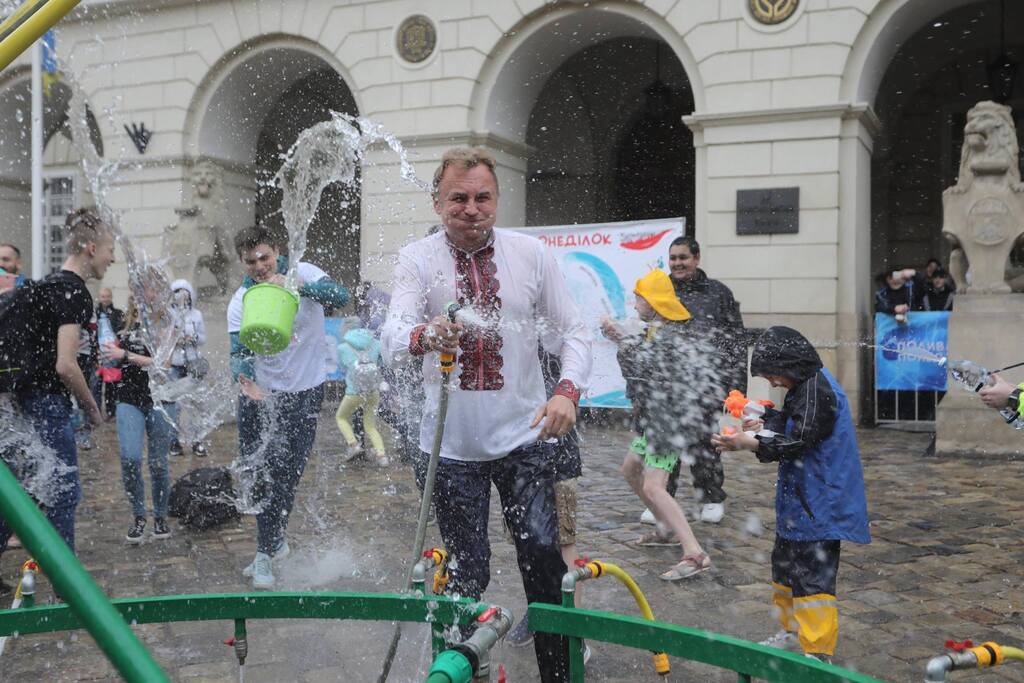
[447, 366]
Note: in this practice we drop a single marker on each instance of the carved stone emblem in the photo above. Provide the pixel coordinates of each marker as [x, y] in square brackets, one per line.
[983, 214]
[771, 12]
[416, 38]
[989, 222]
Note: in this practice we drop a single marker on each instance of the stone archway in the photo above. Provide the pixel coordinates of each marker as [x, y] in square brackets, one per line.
[255, 103]
[607, 139]
[554, 144]
[934, 78]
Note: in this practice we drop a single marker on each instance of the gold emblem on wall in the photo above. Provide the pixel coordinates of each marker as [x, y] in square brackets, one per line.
[416, 38]
[772, 11]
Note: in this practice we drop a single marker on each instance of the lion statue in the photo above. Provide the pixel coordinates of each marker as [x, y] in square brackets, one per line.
[983, 214]
[199, 243]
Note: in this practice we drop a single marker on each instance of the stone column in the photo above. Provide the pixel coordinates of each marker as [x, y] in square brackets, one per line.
[983, 216]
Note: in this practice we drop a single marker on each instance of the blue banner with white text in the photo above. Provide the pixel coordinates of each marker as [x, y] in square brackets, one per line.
[907, 354]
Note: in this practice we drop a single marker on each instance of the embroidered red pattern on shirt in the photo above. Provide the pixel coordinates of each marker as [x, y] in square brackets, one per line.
[480, 349]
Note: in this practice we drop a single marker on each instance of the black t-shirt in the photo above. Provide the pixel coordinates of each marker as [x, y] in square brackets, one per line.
[62, 300]
[134, 385]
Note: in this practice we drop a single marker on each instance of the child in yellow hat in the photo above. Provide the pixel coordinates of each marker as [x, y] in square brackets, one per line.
[668, 376]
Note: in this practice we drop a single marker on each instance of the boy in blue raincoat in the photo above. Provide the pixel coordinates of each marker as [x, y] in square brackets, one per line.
[819, 499]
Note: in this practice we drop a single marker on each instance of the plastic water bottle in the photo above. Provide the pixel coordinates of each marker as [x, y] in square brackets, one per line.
[969, 375]
[105, 332]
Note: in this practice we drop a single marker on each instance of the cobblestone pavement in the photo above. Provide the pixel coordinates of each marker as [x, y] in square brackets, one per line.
[945, 562]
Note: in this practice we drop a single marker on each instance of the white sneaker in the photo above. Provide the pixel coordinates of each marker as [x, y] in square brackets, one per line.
[647, 517]
[282, 552]
[783, 640]
[712, 512]
[825, 659]
[262, 576]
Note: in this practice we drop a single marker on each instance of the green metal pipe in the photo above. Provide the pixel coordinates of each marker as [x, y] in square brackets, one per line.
[230, 606]
[725, 652]
[74, 584]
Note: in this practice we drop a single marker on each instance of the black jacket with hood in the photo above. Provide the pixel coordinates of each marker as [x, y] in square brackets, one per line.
[716, 317]
[811, 404]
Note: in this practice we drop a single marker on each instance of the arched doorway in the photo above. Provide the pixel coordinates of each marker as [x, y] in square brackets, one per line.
[607, 138]
[935, 77]
[577, 100]
[262, 97]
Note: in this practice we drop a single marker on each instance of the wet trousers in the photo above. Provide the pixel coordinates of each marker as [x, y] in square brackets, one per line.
[706, 472]
[525, 482]
[134, 425]
[278, 432]
[50, 415]
[369, 404]
[804, 591]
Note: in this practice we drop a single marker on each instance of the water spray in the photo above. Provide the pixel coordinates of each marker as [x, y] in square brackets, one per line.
[447, 365]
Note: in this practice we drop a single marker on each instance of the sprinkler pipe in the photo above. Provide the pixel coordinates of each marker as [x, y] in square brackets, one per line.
[595, 569]
[27, 23]
[470, 659]
[447, 365]
[963, 655]
[432, 557]
[75, 586]
[239, 641]
[25, 595]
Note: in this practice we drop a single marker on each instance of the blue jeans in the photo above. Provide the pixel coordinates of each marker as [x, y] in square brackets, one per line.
[50, 415]
[279, 431]
[133, 425]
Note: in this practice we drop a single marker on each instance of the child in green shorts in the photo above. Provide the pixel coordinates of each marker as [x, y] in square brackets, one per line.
[668, 378]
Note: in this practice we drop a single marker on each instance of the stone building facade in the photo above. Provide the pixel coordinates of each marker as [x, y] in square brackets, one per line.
[599, 110]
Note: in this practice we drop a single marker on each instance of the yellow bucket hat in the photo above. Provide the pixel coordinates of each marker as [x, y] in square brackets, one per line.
[656, 288]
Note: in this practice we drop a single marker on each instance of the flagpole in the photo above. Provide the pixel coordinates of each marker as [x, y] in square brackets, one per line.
[38, 241]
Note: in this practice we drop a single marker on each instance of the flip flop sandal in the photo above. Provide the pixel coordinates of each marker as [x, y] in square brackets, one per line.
[653, 539]
[691, 565]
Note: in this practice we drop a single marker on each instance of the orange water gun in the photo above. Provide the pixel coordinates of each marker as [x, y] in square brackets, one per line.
[740, 407]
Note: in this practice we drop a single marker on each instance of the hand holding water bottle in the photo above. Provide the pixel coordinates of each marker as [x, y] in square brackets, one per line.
[995, 395]
[106, 339]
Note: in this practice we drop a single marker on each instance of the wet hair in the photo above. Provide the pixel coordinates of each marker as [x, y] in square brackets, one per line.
[465, 158]
[17, 252]
[688, 242]
[253, 236]
[84, 227]
[934, 260]
[940, 272]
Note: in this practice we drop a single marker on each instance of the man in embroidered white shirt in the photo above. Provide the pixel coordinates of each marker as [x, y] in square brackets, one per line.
[499, 418]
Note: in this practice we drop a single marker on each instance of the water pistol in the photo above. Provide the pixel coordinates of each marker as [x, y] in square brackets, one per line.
[743, 408]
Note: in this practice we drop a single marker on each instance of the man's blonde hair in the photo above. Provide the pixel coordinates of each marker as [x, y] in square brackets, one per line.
[85, 227]
[465, 158]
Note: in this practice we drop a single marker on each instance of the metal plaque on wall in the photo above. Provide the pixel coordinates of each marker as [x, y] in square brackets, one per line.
[772, 12]
[416, 38]
[768, 211]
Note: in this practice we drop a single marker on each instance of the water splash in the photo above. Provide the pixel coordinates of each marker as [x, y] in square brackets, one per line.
[326, 153]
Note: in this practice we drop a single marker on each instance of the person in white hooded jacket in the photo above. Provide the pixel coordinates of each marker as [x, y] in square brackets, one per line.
[190, 331]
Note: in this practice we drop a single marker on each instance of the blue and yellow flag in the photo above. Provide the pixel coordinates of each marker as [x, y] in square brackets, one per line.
[50, 75]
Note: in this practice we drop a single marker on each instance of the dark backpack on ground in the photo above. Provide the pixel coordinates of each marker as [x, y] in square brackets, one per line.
[204, 498]
[19, 330]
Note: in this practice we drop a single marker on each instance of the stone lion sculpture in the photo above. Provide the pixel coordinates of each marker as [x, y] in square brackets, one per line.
[200, 242]
[983, 214]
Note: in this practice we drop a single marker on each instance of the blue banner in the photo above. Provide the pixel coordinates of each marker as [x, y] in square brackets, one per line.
[907, 354]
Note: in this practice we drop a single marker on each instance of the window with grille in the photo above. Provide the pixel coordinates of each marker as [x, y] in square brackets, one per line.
[58, 202]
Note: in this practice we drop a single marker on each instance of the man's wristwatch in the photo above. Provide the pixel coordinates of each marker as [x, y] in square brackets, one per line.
[1013, 400]
[568, 388]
